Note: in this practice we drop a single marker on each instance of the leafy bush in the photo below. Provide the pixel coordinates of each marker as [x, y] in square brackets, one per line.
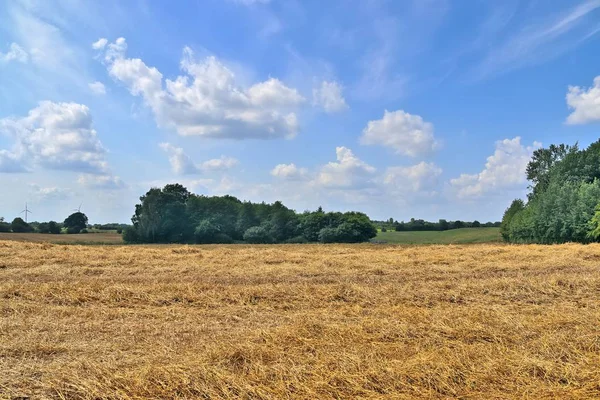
[257, 235]
[328, 235]
[206, 232]
[43, 227]
[53, 227]
[20, 226]
[4, 227]
[130, 235]
[297, 240]
[83, 231]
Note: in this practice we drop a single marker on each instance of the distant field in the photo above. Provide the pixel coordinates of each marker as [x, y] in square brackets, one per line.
[80, 238]
[453, 236]
[299, 322]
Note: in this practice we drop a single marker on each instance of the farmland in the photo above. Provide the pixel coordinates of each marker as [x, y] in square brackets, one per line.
[453, 236]
[78, 238]
[299, 321]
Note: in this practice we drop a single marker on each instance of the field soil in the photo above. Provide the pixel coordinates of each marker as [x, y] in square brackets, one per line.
[78, 238]
[452, 236]
[299, 321]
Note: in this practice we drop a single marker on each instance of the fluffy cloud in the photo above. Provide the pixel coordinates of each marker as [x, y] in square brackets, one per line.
[102, 182]
[289, 172]
[584, 103]
[97, 88]
[416, 178]
[207, 101]
[504, 169]
[182, 164]
[348, 172]
[56, 136]
[10, 162]
[405, 133]
[15, 53]
[40, 193]
[100, 44]
[329, 96]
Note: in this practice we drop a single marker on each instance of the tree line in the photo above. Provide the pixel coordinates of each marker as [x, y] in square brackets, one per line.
[74, 223]
[422, 225]
[563, 203]
[174, 215]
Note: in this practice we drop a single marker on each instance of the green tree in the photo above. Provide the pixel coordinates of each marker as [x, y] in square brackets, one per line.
[516, 206]
[43, 227]
[257, 235]
[76, 222]
[53, 227]
[20, 226]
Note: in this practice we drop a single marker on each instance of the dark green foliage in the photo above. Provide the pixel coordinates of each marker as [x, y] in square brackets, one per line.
[257, 235]
[53, 227]
[422, 225]
[43, 227]
[76, 222]
[173, 215]
[565, 192]
[4, 226]
[130, 235]
[516, 206]
[20, 226]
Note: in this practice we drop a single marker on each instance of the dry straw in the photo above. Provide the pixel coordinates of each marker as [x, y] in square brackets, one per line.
[299, 321]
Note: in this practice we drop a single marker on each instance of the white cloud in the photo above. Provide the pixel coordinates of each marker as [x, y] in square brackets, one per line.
[10, 162]
[56, 136]
[102, 182]
[585, 103]
[40, 193]
[15, 53]
[505, 169]
[182, 164]
[97, 88]
[407, 134]
[219, 164]
[207, 101]
[289, 172]
[329, 96]
[348, 172]
[415, 178]
[99, 44]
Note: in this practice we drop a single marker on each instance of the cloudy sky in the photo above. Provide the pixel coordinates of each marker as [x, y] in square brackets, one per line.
[412, 108]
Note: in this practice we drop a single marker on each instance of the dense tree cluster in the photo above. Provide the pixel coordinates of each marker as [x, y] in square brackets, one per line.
[562, 205]
[174, 215]
[75, 223]
[422, 225]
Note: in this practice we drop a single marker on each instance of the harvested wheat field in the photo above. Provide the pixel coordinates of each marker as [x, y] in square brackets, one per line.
[299, 321]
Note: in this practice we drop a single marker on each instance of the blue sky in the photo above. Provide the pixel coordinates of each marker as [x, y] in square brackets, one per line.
[415, 108]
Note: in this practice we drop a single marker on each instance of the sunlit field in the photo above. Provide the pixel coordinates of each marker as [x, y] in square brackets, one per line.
[299, 321]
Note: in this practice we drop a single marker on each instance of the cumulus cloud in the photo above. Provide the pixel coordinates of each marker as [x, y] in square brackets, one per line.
[10, 162]
[56, 136]
[505, 169]
[289, 172]
[102, 182]
[40, 193]
[416, 178]
[207, 100]
[15, 53]
[97, 88]
[100, 44]
[405, 133]
[585, 103]
[182, 164]
[329, 97]
[348, 171]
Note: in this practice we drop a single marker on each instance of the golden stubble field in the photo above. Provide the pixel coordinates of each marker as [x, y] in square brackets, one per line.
[299, 321]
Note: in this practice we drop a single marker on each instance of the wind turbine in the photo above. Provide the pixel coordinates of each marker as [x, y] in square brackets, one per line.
[78, 209]
[26, 211]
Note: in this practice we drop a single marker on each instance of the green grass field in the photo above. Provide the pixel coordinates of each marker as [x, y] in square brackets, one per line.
[454, 236]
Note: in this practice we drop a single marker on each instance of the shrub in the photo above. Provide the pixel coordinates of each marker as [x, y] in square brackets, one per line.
[206, 232]
[384, 229]
[43, 228]
[119, 231]
[257, 235]
[4, 227]
[20, 226]
[328, 235]
[130, 235]
[53, 227]
[83, 231]
[297, 240]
